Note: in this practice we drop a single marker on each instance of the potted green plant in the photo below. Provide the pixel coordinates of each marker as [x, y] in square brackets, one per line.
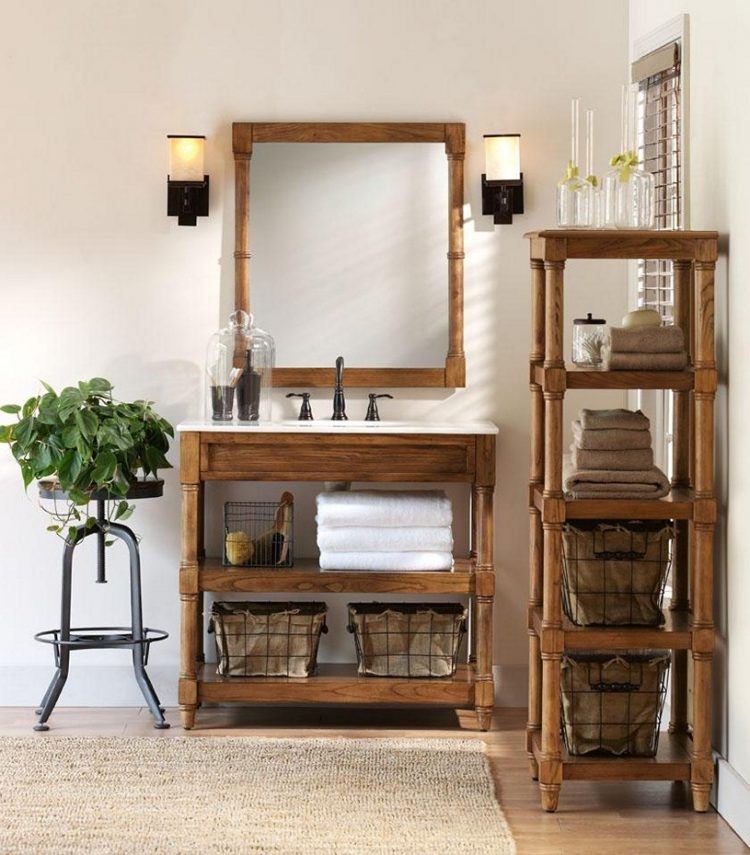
[89, 446]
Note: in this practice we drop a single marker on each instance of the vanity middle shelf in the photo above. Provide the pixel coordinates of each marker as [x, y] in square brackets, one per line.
[307, 577]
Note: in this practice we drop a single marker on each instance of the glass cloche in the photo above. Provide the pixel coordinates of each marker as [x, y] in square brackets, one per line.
[239, 368]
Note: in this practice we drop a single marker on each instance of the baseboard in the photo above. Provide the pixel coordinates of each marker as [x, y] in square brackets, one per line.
[511, 685]
[87, 685]
[114, 686]
[731, 797]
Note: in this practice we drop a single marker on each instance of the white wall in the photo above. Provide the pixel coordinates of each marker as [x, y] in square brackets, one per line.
[719, 188]
[96, 280]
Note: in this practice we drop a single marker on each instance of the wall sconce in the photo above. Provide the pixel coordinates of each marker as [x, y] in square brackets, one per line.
[502, 181]
[187, 186]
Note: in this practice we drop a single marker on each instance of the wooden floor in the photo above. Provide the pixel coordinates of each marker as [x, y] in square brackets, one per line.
[593, 819]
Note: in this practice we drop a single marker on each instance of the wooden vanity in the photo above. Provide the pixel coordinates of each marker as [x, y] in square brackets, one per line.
[324, 451]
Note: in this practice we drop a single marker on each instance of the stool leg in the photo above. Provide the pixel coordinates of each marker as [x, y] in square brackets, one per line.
[136, 611]
[61, 674]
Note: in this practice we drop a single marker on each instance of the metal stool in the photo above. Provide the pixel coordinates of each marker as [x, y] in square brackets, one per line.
[136, 637]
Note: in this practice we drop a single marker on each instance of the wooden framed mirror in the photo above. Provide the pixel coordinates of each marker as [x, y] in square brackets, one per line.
[450, 136]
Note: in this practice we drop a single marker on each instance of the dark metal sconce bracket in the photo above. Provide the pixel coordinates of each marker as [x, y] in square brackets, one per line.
[187, 200]
[502, 199]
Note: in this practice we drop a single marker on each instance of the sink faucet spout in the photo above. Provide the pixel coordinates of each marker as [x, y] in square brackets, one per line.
[339, 402]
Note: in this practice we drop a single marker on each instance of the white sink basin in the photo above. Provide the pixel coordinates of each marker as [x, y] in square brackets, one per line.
[351, 424]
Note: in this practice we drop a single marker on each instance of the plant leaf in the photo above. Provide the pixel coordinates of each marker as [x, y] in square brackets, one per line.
[27, 473]
[41, 458]
[124, 510]
[70, 400]
[70, 436]
[99, 384]
[29, 407]
[10, 408]
[25, 432]
[104, 470]
[69, 468]
[87, 423]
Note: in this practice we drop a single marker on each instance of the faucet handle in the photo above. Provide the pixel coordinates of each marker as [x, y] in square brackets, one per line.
[305, 413]
[372, 409]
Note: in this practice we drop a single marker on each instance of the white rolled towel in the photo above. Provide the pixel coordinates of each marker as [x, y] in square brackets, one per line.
[373, 508]
[385, 561]
[385, 539]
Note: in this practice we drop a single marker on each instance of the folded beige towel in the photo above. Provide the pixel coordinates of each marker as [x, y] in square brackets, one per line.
[612, 438]
[616, 361]
[606, 484]
[613, 419]
[646, 339]
[634, 459]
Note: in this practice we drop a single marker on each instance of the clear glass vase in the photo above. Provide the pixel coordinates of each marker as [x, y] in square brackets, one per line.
[629, 198]
[573, 192]
[239, 371]
[574, 202]
[629, 191]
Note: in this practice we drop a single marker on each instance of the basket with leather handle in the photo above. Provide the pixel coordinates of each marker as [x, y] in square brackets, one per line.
[258, 639]
[407, 639]
[612, 702]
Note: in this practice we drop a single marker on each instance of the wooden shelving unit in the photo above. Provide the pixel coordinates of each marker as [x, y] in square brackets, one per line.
[685, 752]
[454, 453]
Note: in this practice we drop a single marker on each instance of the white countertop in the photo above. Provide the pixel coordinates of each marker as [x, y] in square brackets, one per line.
[351, 426]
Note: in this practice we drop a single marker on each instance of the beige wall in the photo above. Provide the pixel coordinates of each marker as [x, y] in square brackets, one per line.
[719, 129]
[96, 280]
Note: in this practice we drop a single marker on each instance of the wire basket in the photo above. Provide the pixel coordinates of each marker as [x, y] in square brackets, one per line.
[258, 639]
[614, 574]
[612, 702]
[407, 639]
[259, 534]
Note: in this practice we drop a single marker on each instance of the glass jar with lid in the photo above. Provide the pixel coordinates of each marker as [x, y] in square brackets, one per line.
[239, 371]
[589, 336]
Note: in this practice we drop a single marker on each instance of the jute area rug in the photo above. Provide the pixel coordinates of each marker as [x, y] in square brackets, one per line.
[225, 795]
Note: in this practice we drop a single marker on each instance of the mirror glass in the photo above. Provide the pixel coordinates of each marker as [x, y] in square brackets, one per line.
[348, 244]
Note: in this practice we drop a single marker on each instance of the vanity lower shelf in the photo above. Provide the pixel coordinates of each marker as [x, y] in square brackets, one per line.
[307, 577]
[336, 684]
[671, 763]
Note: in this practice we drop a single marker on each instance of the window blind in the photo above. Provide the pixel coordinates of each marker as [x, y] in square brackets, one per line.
[659, 142]
[659, 134]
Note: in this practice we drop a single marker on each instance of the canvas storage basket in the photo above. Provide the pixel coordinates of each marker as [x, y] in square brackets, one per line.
[614, 573]
[407, 639]
[267, 639]
[612, 702]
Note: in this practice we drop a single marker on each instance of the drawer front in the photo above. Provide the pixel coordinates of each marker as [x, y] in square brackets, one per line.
[322, 457]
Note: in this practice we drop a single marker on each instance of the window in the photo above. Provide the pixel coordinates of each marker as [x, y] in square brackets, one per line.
[659, 142]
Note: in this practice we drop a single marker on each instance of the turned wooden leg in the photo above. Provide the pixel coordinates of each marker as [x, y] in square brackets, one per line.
[482, 504]
[187, 715]
[190, 593]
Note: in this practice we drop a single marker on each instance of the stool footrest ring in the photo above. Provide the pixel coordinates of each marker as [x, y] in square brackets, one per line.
[92, 637]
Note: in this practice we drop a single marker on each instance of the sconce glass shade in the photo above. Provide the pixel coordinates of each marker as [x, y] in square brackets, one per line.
[186, 158]
[502, 157]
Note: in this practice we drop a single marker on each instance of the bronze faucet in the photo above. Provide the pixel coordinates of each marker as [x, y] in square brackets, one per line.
[339, 404]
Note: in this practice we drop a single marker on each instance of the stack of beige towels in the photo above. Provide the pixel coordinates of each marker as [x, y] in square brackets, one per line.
[645, 348]
[612, 458]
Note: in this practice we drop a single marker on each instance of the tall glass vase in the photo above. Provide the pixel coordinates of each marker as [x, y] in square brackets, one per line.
[596, 196]
[628, 190]
[573, 192]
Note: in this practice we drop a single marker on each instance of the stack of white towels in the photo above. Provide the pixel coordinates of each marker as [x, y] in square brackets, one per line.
[385, 530]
